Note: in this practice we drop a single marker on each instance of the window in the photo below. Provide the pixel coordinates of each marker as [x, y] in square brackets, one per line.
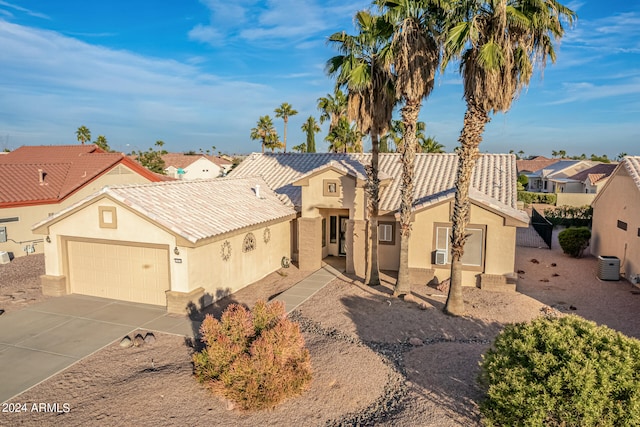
[638, 232]
[622, 225]
[249, 243]
[324, 232]
[331, 187]
[107, 217]
[333, 229]
[473, 248]
[386, 233]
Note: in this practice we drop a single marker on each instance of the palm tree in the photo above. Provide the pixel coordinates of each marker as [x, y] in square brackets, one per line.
[393, 138]
[362, 71]
[284, 112]
[300, 148]
[429, 144]
[265, 132]
[498, 43]
[345, 138]
[333, 107]
[84, 134]
[416, 56]
[311, 128]
[101, 141]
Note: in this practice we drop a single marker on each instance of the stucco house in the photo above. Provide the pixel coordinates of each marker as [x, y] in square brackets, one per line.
[199, 166]
[588, 181]
[616, 223]
[328, 193]
[555, 176]
[37, 181]
[171, 243]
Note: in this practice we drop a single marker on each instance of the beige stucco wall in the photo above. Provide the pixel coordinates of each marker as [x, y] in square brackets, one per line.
[500, 242]
[218, 277]
[619, 201]
[389, 255]
[347, 198]
[85, 224]
[29, 215]
[574, 199]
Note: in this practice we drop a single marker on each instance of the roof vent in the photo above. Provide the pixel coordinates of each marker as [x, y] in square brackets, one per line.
[41, 176]
[257, 189]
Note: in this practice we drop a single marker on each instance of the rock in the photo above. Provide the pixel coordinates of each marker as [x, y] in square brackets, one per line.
[409, 298]
[423, 306]
[149, 338]
[138, 341]
[535, 261]
[544, 280]
[553, 264]
[416, 342]
[230, 404]
[126, 342]
[572, 307]
[520, 271]
[555, 275]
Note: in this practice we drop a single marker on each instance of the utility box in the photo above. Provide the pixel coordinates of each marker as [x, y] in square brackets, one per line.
[4, 257]
[608, 268]
[3, 234]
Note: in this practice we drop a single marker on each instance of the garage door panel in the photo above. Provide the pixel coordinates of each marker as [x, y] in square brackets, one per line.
[123, 272]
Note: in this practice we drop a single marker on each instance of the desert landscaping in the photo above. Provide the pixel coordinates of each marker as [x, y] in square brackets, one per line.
[376, 359]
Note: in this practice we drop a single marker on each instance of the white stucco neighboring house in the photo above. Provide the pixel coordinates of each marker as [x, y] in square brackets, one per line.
[199, 166]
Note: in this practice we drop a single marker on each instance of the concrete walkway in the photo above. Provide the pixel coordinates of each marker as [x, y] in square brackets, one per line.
[307, 287]
[43, 339]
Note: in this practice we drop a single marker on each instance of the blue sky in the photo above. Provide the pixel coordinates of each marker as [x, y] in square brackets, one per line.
[198, 74]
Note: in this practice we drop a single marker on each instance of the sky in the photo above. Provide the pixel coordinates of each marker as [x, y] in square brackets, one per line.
[199, 74]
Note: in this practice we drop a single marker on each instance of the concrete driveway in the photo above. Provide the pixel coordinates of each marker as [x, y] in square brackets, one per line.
[41, 340]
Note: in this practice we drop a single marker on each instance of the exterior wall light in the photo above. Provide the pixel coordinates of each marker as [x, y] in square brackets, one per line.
[48, 239]
[176, 251]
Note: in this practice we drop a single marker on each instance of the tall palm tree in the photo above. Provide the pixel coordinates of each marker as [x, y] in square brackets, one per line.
[284, 112]
[393, 138]
[265, 132]
[310, 127]
[84, 134]
[361, 70]
[498, 43]
[333, 107]
[416, 56]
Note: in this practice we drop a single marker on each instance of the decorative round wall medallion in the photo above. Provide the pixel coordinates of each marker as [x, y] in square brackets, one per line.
[226, 250]
[267, 235]
[249, 243]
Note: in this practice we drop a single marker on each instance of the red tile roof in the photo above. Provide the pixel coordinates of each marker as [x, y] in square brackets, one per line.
[534, 164]
[65, 169]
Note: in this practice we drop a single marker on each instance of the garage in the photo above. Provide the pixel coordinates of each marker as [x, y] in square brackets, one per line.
[126, 272]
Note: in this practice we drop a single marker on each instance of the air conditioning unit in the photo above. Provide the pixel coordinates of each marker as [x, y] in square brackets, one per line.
[441, 257]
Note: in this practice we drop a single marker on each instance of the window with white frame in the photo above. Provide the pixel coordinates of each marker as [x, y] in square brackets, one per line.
[386, 233]
[473, 247]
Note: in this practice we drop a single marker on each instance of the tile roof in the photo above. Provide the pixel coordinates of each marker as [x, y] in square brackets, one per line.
[632, 165]
[197, 210]
[181, 160]
[494, 176]
[65, 170]
[534, 164]
[595, 173]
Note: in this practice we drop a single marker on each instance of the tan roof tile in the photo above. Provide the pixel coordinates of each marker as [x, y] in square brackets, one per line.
[197, 210]
[494, 175]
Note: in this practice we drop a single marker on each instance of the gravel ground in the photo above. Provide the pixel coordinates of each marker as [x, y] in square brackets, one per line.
[377, 360]
[20, 282]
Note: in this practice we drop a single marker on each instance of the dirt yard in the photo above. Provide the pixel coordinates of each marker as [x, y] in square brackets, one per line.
[376, 360]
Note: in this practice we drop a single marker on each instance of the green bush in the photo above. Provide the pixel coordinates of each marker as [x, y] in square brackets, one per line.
[561, 372]
[523, 180]
[570, 216]
[574, 240]
[531, 197]
[254, 358]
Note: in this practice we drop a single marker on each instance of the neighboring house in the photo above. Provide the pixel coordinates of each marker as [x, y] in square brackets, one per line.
[328, 192]
[37, 181]
[199, 166]
[171, 243]
[532, 164]
[590, 180]
[616, 222]
[553, 178]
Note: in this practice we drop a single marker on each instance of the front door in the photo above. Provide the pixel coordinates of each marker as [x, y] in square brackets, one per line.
[342, 232]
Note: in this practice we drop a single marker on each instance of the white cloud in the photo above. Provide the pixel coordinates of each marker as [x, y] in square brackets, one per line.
[20, 9]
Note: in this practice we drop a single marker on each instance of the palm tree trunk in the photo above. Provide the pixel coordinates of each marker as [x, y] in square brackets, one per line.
[372, 276]
[475, 120]
[408, 154]
[285, 134]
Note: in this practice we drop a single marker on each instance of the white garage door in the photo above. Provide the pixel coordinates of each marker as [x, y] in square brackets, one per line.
[122, 272]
